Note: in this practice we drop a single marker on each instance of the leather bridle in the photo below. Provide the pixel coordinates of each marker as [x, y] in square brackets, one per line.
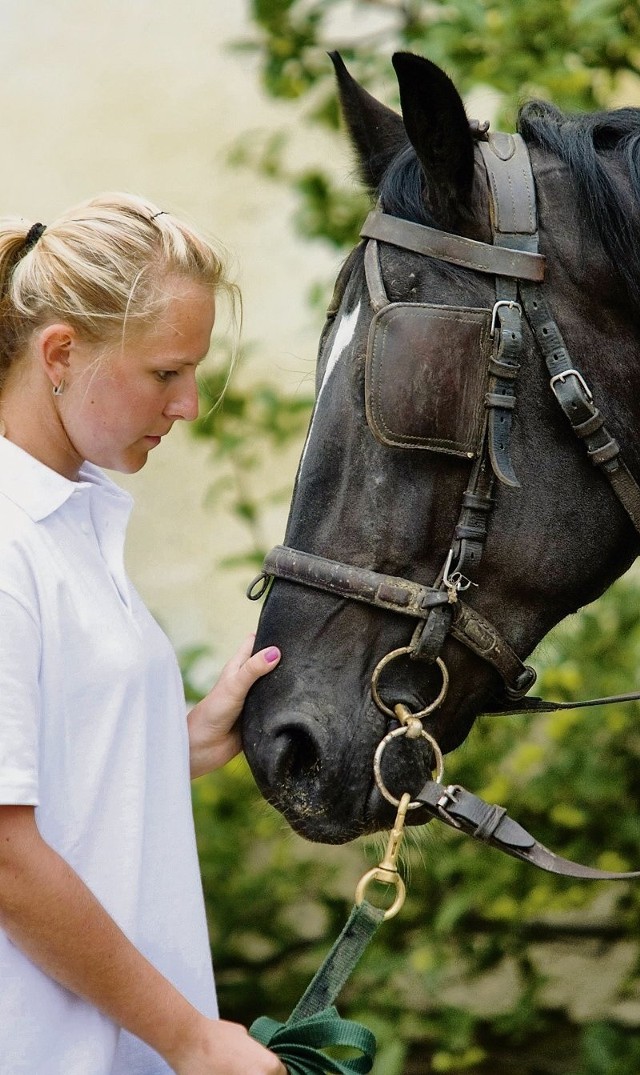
[519, 270]
[518, 267]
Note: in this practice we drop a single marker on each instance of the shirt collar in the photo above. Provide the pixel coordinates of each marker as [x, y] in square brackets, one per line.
[40, 491]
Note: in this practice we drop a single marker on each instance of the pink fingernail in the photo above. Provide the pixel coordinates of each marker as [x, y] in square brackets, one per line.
[271, 654]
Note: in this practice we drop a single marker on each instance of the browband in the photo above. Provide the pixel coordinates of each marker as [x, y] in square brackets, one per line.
[469, 253]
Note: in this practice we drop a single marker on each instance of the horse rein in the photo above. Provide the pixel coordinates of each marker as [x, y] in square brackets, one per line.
[513, 259]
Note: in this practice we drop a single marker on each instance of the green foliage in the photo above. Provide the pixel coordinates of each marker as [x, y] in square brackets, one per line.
[571, 50]
[610, 1050]
[244, 429]
[574, 52]
[262, 897]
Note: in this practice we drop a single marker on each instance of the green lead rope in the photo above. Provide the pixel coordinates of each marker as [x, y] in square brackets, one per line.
[299, 1045]
[314, 1023]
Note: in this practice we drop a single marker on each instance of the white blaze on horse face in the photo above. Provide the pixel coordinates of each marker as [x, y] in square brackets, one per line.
[343, 337]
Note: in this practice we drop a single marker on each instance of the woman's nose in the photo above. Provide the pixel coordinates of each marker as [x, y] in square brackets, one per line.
[184, 403]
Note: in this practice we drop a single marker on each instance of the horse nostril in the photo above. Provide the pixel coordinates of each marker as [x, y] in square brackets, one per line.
[296, 753]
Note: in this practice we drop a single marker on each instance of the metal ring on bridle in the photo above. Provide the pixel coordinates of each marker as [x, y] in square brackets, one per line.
[391, 657]
[377, 759]
[259, 586]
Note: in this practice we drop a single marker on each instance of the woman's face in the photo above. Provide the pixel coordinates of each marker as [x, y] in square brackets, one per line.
[116, 409]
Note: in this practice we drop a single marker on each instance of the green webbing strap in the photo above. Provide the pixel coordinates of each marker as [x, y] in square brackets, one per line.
[314, 1024]
[334, 972]
[300, 1045]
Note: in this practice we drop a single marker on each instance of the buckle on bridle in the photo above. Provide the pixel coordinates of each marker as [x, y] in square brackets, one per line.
[494, 313]
[561, 377]
[449, 795]
[456, 582]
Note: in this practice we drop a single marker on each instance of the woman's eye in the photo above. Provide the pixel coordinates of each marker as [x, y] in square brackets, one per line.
[165, 375]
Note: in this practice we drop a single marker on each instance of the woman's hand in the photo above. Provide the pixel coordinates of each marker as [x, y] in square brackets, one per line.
[214, 736]
[228, 1049]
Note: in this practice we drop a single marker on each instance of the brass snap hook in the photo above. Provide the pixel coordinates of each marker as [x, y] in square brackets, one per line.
[387, 872]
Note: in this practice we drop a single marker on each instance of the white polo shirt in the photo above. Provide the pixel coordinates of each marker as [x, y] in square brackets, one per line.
[93, 734]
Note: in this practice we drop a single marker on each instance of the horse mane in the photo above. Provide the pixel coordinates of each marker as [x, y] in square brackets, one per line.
[589, 144]
[593, 146]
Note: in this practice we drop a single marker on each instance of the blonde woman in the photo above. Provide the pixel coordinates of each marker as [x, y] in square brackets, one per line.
[104, 957]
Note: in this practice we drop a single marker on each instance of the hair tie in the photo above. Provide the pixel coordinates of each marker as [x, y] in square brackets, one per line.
[161, 212]
[32, 236]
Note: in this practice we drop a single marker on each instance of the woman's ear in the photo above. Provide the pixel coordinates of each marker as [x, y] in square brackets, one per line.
[54, 345]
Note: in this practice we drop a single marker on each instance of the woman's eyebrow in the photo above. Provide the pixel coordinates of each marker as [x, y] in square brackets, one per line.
[184, 361]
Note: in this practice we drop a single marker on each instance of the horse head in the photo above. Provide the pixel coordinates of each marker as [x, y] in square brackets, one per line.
[439, 469]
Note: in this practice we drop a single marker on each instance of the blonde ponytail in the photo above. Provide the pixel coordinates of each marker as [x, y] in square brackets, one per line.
[100, 266]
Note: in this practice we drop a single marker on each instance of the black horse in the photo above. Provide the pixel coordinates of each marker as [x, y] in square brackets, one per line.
[403, 473]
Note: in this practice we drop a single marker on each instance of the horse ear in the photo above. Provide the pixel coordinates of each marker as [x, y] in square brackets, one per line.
[377, 132]
[438, 129]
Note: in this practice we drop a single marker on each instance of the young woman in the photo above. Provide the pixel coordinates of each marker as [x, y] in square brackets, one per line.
[104, 957]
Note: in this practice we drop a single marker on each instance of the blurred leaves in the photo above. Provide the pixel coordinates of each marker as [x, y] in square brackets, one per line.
[247, 430]
[577, 53]
[572, 51]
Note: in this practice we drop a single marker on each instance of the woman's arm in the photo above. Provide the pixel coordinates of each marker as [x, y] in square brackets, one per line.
[50, 914]
[214, 737]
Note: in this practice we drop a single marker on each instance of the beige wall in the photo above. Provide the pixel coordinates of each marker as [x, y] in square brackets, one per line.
[144, 95]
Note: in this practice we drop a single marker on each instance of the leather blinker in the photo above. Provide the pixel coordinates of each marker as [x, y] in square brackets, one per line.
[426, 376]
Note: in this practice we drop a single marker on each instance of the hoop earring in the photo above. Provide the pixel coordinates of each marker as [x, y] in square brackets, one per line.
[58, 389]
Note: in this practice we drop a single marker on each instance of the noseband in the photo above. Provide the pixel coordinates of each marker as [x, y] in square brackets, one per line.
[513, 259]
